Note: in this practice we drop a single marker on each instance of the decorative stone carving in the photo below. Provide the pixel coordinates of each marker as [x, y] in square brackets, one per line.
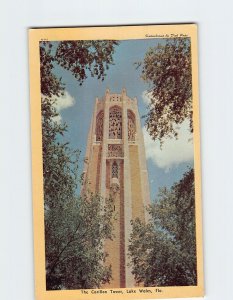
[115, 98]
[115, 188]
[115, 123]
[99, 126]
[115, 150]
[131, 126]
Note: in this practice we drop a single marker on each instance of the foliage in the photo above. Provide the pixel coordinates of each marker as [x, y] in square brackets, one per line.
[74, 251]
[167, 68]
[49, 84]
[74, 243]
[163, 252]
[60, 163]
[79, 57]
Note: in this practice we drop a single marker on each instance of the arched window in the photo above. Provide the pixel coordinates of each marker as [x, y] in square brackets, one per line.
[115, 123]
[115, 170]
[99, 126]
[131, 126]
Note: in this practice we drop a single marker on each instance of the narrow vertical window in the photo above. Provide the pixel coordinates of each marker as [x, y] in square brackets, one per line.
[99, 126]
[114, 170]
[131, 126]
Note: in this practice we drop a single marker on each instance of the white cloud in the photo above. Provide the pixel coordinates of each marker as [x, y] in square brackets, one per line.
[61, 103]
[173, 151]
[146, 97]
[64, 101]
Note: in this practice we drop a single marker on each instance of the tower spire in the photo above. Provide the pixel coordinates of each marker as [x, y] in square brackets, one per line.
[123, 92]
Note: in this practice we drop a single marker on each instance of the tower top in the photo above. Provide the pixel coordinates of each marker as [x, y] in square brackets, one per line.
[123, 92]
[116, 97]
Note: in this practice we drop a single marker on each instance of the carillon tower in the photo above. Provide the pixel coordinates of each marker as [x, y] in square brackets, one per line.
[116, 166]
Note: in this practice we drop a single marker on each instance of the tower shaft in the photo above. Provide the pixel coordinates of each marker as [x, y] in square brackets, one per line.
[116, 167]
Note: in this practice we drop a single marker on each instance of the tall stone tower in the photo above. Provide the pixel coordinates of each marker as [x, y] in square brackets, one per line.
[116, 166]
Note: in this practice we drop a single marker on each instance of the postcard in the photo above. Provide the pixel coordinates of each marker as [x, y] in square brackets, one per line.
[116, 162]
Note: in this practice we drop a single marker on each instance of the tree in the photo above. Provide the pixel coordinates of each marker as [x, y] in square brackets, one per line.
[167, 68]
[50, 85]
[163, 251]
[74, 243]
[81, 57]
[74, 251]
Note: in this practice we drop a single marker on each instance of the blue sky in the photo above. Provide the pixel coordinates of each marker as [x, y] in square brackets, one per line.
[164, 166]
